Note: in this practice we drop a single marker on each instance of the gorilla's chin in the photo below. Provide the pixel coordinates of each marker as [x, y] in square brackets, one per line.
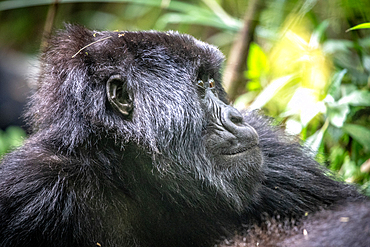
[241, 175]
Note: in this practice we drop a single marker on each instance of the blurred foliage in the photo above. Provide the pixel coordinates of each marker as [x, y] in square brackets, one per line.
[11, 138]
[303, 68]
[184, 16]
[319, 88]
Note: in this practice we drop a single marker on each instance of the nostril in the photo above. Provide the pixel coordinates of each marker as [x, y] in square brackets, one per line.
[234, 116]
[236, 119]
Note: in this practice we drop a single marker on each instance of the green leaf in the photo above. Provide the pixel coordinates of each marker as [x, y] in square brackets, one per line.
[337, 155]
[360, 26]
[268, 93]
[195, 18]
[360, 133]
[349, 170]
[15, 136]
[10, 138]
[314, 141]
[243, 100]
[318, 33]
[14, 4]
[333, 46]
[356, 98]
[293, 127]
[337, 78]
[253, 85]
[201, 15]
[257, 62]
[304, 102]
[337, 113]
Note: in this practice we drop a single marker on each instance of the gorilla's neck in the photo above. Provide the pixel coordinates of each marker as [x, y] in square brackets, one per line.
[294, 182]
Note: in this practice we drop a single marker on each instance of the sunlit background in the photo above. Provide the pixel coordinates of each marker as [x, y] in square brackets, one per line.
[295, 60]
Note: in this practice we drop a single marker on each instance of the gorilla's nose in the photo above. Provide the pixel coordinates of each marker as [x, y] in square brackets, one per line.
[233, 121]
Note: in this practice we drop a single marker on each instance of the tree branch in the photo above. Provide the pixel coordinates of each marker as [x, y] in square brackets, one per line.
[234, 81]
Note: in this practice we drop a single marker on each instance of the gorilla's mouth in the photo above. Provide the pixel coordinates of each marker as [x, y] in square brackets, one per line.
[239, 150]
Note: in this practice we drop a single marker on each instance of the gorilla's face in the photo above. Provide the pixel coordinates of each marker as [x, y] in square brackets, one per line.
[174, 98]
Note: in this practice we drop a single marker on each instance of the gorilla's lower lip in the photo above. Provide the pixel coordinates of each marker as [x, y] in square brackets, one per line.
[239, 151]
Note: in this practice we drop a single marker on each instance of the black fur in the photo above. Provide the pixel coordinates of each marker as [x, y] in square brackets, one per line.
[91, 176]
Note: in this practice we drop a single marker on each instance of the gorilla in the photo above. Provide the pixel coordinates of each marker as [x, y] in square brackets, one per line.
[134, 143]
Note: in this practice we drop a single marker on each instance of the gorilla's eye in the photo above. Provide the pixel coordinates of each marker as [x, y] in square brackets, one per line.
[201, 83]
[211, 83]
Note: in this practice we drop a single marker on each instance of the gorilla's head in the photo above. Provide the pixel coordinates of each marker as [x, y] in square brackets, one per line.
[155, 94]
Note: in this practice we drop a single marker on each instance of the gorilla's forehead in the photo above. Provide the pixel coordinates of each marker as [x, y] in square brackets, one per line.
[154, 45]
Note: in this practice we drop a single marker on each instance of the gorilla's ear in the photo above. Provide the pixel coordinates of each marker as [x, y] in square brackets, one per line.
[118, 96]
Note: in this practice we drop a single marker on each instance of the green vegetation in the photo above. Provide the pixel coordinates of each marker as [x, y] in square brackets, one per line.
[329, 111]
[11, 138]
